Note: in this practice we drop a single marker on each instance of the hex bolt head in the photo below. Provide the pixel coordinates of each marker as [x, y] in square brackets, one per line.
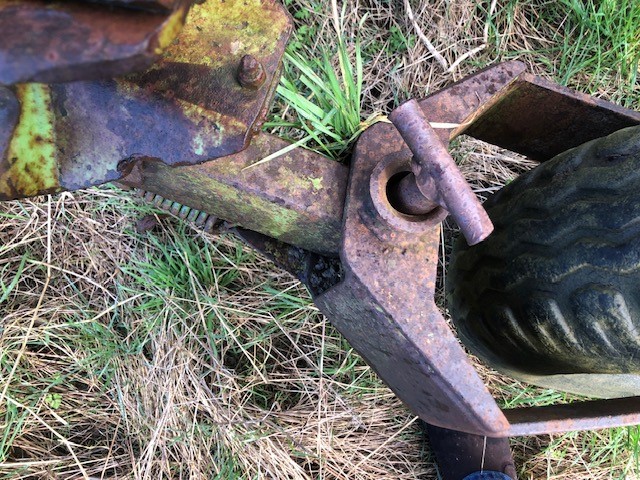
[251, 73]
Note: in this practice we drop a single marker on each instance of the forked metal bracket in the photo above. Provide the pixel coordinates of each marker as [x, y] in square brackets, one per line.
[163, 131]
[384, 301]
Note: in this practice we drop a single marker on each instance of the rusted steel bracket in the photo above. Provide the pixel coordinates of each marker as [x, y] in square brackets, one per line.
[540, 119]
[394, 323]
[62, 41]
[297, 197]
[506, 106]
[191, 106]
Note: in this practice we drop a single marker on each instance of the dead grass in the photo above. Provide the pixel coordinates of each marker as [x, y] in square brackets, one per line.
[126, 369]
[176, 354]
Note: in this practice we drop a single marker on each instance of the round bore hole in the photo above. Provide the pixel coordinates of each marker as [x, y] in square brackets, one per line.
[401, 208]
[405, 196]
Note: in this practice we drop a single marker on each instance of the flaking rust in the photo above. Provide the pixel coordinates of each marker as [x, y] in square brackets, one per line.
[189, 107]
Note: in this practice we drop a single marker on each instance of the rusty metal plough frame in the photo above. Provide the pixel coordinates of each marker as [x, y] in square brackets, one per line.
[187, 129]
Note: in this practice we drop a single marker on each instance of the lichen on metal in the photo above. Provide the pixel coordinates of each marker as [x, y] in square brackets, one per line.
[297, 197]
[186, 109]
[216, 31]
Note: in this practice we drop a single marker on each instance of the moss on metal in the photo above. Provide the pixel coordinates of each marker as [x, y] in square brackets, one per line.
[280, 198]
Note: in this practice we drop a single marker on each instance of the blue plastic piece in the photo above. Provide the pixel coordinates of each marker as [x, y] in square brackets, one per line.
[487, 476]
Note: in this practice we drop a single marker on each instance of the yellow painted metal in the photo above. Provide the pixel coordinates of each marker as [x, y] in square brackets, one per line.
[32, 151]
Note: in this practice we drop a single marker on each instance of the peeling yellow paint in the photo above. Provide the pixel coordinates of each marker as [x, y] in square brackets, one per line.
[31, 156]
[246, 26]
[170, 29]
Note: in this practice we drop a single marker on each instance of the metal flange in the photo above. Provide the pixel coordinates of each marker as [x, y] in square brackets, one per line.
[187, 108]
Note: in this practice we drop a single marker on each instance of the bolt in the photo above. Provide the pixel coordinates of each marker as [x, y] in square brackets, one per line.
[251, 73]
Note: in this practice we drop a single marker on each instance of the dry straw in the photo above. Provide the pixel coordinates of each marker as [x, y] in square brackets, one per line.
[177, 354]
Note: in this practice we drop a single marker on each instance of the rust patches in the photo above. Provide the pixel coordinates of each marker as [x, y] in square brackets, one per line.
[60, 41]
[437, 175]
[297, 197]
[217, 31]
[392, 322]
[9, 114]
[250, 72]
[186, 109]
[463, 101]
[171, 26]
[540, 119]
[399, 205]
[589, 415]
[30, 159]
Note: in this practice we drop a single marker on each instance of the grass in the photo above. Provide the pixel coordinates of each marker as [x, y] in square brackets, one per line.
[590, 45]
[326, 98]
[179, 354]
[600, 41]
